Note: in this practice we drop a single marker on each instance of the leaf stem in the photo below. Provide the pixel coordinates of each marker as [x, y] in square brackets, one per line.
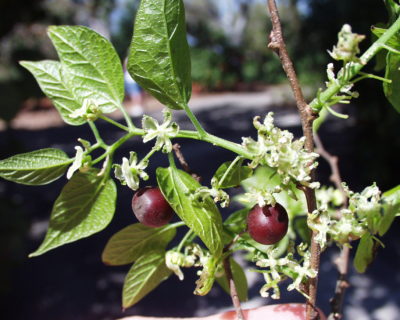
[96, 134]
[194, 120]
[370, 76]
[111, 149]
[184, 240]
[115, 123]
[171, 160]
[127, 118]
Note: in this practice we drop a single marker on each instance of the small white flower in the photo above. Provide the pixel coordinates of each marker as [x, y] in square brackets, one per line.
[163, 132]
[89, 111]
[77, 162]
[174, 260]
[130, 171]
[347, 47]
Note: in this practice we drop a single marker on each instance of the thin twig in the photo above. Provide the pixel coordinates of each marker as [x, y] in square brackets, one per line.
[277, 44]
[177, 149]
[333, 162]
[232, 288]
[342, 262]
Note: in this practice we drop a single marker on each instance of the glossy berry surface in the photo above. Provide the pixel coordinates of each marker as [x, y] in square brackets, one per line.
[268, 224]
[151, 208]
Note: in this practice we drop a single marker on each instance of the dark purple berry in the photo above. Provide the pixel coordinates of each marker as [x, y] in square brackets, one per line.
[268, 224]
[151, 208]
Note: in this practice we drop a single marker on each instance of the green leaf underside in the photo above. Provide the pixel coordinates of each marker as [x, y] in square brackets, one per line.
[239, 278]
[203, 218]
[159, 57]
[91, 65]
[234, 177]
[85, 206]
[130, 243]
[35, 168]
[364, 253]
[49, 76]
[144, 276]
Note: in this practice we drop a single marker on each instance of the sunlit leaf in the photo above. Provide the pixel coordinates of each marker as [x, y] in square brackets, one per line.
[203, 217]
[35, 168]
[145, 275]
[128, 244]
[85, 206]
[91, 65]
[159, 58]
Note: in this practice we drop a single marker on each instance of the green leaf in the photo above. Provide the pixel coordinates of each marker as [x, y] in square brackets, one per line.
[203, 217]
[301, 227]
[365, 253]
[159, 58]
[237, 221]
[231, 173]
[281, 246]
[266, 178]
[85, 206]
[391, 208]
[389, 213]
[35, 168]
[91, 65]
[239, 278]
[392, 194]
[392, 90]
[393, 10]
[49, 75]
[144, 276]
[130, 243]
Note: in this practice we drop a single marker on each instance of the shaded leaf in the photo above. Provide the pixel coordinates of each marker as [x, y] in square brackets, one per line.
[237, 221]
[128, 244]
[364, 253]
[85, 206]
[159, 58]
[49, 75]
[203, 217]
[391, 208]
[231, 174]
[389, 213]
[239, 278]
[392, 90]
[145, 275]
[91, 65]
[35, 168]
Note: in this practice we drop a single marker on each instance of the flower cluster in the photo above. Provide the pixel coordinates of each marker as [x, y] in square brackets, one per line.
[346, 224]
[275, 148]
[218, 195]
[285, 267]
